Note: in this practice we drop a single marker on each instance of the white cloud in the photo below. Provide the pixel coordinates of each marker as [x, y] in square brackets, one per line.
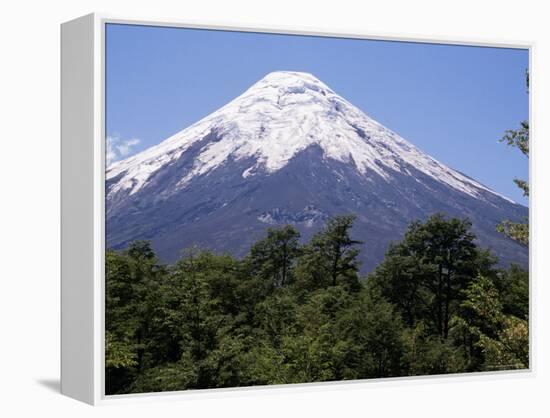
[118, 148]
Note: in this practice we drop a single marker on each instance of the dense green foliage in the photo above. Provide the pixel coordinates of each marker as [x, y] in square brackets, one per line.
[290, 313]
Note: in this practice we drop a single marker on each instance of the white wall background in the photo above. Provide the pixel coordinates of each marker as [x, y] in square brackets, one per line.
[29, 206]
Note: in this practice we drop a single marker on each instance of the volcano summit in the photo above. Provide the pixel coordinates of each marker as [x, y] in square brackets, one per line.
[289, 150]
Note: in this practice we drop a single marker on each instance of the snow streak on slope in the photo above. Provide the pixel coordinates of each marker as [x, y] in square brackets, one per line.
[279, 116]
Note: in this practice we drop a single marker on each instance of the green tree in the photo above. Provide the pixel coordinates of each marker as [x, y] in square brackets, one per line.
[519, 138]
[425, 273]
[286, 314]
[198, 315]
[513, 287]
[331, 256]
[494, 340]
[425, 353]
[372, 333]
[277, 316]
[170, 376]
[273, 257]
[131, 280]
[302, 343]
[400, 278]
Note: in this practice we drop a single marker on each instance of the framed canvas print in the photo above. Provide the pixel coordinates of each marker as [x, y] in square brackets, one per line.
[257, 207]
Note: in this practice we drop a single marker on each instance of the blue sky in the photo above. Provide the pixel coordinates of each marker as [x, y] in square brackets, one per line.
[453, 102]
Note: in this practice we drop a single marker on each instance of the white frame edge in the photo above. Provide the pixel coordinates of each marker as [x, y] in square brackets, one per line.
[82, 203]
[83, 210]
[77, 209]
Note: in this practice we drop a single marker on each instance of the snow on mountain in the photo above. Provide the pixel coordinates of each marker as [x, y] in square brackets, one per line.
[289, 150]
[278, 117]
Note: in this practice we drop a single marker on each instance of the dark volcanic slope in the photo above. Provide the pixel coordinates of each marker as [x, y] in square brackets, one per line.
[225, 212]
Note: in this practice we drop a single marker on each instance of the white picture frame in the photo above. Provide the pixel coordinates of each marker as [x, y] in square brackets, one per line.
[83, 205]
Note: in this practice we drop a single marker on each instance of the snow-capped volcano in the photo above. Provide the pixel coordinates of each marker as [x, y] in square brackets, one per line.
[289, 126]
[279, 116]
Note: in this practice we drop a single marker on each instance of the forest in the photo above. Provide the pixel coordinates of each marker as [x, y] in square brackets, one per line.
[293, 312]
